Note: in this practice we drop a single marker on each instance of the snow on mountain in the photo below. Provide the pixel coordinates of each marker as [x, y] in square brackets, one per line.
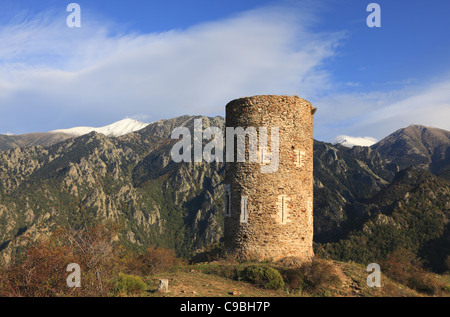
[350, 141]
[118, 128]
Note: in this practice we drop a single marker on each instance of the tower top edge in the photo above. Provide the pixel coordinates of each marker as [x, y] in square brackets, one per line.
[261, 99]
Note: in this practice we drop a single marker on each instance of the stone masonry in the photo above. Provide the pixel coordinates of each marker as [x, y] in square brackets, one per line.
[270, 215]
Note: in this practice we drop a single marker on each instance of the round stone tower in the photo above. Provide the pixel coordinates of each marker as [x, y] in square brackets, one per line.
[269, 201]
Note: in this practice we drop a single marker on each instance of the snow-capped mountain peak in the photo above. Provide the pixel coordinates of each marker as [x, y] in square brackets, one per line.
[350, 141]
[118, 128]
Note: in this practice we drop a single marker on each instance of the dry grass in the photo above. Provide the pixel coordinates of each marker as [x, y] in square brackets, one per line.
[348, 280]
[197, 284]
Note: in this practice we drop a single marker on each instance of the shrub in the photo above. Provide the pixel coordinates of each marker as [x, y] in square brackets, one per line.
[403, 266]
[446, 288]
[319, 276]
[400, 264]
[262, 276]
[129, 284]
[151, 261]
[424, 283]
[294, 278]
[41, 272]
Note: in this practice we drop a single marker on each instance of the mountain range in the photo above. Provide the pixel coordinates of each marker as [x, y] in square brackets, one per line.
[118, 128]
[368, 201]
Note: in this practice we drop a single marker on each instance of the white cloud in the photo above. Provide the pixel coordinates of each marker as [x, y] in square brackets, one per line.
[54, 77]
[428, 106]
[381, 113]
[69, 74]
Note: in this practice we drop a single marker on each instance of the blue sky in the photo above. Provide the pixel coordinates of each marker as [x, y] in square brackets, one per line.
[152, 60]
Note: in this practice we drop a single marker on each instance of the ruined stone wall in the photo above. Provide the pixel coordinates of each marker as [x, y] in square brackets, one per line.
[270, 215]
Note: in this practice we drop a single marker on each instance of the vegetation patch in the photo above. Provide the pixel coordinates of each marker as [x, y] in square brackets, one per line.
[263, 276]
[404, 267]
[126, 284]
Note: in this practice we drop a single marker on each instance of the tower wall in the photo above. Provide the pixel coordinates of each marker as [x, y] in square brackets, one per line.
[278, 206]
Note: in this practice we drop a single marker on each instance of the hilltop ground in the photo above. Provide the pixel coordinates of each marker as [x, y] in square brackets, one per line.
[107, 269]
[209, 280]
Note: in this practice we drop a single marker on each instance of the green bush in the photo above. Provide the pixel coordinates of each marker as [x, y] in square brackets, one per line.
[295, 279]
[262, 276]
[129, 284]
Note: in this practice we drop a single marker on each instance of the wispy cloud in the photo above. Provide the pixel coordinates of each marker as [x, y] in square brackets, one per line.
[54, 77]
[429, 105]
[52, 73]
[380, 113]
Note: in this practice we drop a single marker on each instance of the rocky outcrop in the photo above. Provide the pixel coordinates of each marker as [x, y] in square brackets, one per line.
[130, 180]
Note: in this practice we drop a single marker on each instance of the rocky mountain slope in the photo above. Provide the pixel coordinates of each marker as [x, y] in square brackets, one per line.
[343, 178]
[418, 146]
[132, 180]
[412, 213]
[8, 142]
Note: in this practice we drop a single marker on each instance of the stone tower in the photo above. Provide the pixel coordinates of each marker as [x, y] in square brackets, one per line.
[269, 215]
